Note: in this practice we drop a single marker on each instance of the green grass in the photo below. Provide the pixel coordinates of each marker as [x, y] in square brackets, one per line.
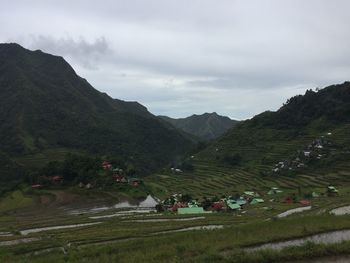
[197, 246]
[15, 200]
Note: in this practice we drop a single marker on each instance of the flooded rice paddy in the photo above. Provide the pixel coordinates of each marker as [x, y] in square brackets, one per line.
[293, 211]
[323, 238]
[40, 229]
[341, 211]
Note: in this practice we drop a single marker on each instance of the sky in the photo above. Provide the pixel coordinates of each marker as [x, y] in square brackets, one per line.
[182, 57]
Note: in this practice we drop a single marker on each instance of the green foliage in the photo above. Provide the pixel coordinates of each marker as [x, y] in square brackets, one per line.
[46, 105]
[207, 126]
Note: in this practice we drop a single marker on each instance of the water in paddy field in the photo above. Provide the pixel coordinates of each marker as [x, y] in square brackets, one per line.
[334, 259]
[341, 211]
[149, 203]
[324, 238]
[293, 211]
[40, 229]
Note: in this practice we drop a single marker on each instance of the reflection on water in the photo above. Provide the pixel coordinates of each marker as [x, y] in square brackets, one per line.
[40, 229]
[293, 211]
[341, 210]
[207, 227]
[324, 238]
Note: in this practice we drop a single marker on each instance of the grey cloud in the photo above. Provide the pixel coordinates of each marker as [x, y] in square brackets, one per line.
[88, 54]
[235, 57]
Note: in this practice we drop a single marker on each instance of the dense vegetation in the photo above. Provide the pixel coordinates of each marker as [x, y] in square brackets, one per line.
[46, 105]
[302, 119]
[10, 173]
[207, 126]
[245, 157]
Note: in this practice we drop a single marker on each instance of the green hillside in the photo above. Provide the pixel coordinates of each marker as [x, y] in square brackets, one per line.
[45, 106]
[207, 126]
[245, 157]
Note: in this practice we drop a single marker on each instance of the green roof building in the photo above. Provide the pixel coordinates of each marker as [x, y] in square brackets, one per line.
[315, 195]
[233, 206]
[332, 189]
[251, 193]
[190, 210]
[274, 190]
[257, 201]
[241, 201]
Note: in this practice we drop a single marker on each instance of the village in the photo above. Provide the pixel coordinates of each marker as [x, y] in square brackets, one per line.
[184, 204]
[318, 149]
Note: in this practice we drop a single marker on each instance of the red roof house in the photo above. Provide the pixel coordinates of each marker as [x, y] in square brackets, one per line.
[218, 206]
[106, 165]
[56, 179]
[177, 205]
[305, 202]
[289, 200]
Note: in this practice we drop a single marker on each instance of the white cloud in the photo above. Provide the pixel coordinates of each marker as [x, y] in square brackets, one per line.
[181, 57]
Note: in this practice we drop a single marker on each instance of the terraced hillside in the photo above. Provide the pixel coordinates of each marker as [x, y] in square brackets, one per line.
[243, 159]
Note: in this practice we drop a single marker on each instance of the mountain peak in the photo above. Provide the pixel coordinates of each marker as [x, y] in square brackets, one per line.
[46, 105]
[206, 126]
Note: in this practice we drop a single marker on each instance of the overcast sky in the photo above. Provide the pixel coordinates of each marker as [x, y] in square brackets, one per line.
[179, 57]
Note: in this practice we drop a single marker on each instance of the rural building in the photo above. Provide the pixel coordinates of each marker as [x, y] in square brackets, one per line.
[251, 194]
[274, 190]
[190, 210]
[256, 201]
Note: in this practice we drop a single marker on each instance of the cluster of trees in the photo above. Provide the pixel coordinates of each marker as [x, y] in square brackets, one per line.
[79, 168]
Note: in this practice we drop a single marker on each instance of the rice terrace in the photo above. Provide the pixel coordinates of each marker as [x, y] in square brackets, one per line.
[175, 131]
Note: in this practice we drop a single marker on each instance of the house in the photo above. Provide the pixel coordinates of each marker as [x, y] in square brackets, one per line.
[274, 190]
[251, 194]
[106, 165]
[177, 205]
[190, 210]
[56, 179]
[307, 153]
[37, 186]
[315, 195]
[241, 201]
[120, 179]
[232, 205]
[305, 202]
[192, 203]
[135, 182]
[218, 206]
[331, 190]
[256, 201]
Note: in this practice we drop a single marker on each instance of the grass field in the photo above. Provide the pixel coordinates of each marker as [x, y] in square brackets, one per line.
[127, 239]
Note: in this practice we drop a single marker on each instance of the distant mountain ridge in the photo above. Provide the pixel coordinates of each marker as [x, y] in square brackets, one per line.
[271, 137]
[207, 126]
[44, 104]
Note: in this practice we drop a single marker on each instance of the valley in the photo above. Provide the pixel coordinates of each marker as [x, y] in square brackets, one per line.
[85, 177]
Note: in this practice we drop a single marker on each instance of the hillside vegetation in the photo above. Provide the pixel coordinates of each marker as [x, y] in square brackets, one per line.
[245, 157]
[45, 106]
[207, 126]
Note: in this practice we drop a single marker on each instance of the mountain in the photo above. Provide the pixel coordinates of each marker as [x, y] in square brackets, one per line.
[45, 105]
[207, 126]
[274, 136]
[304, 146]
